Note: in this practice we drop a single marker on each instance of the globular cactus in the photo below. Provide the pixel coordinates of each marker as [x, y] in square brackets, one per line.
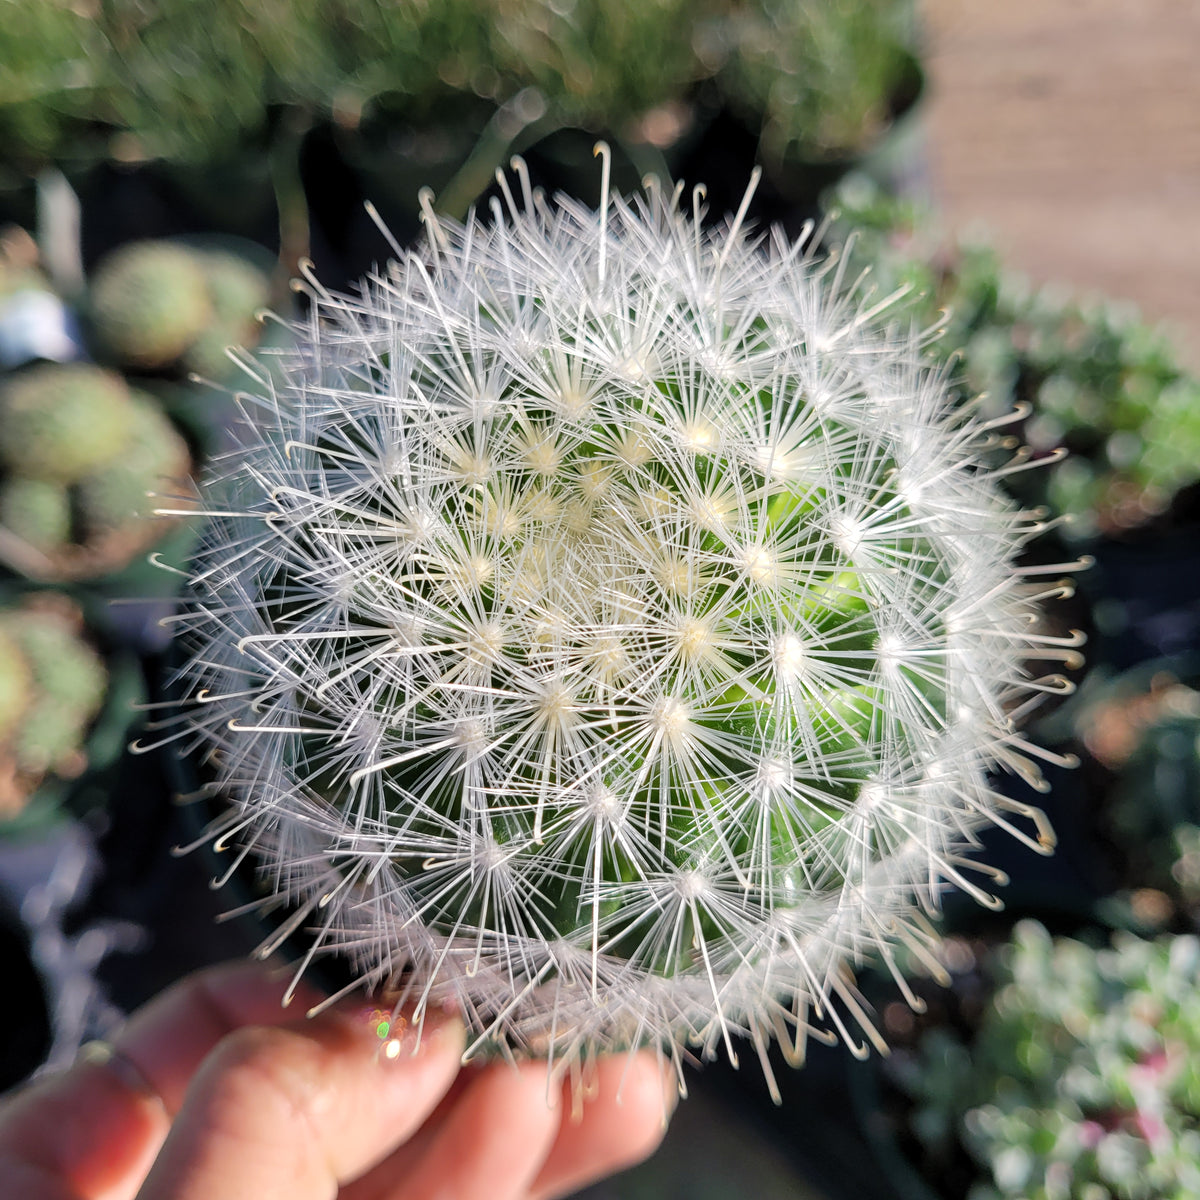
[59, 421]
[238, 290]
[119, 494]
[61, 682]
[38, 511]
[14, 685]
[157, 304]
[148, 303]
[606, 629]
[82, 455]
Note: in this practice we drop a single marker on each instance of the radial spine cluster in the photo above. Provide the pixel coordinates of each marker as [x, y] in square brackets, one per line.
[607, 627]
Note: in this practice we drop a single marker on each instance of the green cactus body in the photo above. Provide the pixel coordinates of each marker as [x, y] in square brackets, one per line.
[38, 511]
[118, 494]
[66, 685]
[58, 422]
[149, 302]
[238, 291]
[65, 668]
[48, 737]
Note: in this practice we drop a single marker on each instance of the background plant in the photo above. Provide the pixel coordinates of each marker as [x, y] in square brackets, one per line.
[1081, 1080]
[1096, 379]
[52, 685]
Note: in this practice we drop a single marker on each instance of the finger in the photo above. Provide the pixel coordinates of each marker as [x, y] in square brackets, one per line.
[623, 1121]
[489, 1146]
[168, 1039]
[295, 1112]
[84, 1134]
[94, 1130]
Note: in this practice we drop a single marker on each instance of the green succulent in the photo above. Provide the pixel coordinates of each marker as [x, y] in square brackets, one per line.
[1083, 1079]
[149, 302]
[38, 511]
[116, 494]
[236, 288]
[238, 291]
[1098, 381]
[60, 421]
[66, 681]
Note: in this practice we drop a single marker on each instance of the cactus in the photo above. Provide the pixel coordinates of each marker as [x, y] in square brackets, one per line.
[60, 421]
[15, 678]
[63, 682]
[83, 453]
[38, 511]
[161, 305]
[602, 629]
[238, 291]
[149, 302]
[155, 459]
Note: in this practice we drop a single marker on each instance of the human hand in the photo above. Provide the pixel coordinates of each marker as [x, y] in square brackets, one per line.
[215, 1092]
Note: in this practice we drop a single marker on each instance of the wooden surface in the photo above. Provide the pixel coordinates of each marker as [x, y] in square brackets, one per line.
[1070, 131]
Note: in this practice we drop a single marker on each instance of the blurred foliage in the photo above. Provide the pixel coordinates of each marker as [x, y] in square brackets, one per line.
[52, 685]
[198, 79]
[824, 76]
[1098, 380]
[1142, 727]
[1083, 1079]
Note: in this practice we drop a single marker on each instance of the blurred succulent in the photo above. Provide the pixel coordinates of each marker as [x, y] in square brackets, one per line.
[1143, 726]
[148, 303]
[237, 291]
[822, 76]
[153, 457]
[602, 628]
[80, 456]
[1097, 381]
[156, 305]
[52, 684]
[1082, 1081]
[38, 511]
[58, 422]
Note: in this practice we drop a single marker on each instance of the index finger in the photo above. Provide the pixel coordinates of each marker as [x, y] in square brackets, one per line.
[93, 1131]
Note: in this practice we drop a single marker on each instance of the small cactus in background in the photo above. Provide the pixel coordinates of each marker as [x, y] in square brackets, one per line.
[157, 304]
[58, 422]
[149, 302]
[602, 628]
[154, 455]
[1082, 1078]
[80, 454]
[238, 291]
[52, 684]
